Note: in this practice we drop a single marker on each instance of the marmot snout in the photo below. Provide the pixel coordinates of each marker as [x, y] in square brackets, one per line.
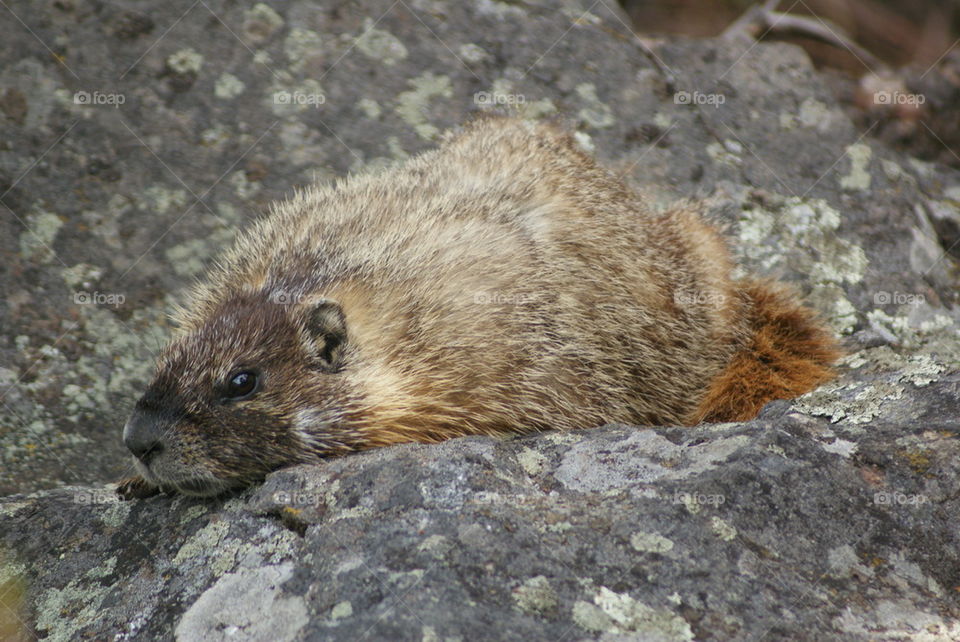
[502, 283]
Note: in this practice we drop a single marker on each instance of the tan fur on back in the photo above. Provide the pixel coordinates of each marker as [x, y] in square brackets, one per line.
[502, 283]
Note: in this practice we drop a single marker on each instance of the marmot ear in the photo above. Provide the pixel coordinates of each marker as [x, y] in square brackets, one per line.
[327, 330]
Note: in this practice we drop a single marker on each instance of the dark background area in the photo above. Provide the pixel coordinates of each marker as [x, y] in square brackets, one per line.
[900, 45]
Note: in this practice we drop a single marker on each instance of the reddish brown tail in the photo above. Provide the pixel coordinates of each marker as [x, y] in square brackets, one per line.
[789, 353]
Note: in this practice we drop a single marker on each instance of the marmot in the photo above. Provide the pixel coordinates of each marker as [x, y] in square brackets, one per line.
[502, 283]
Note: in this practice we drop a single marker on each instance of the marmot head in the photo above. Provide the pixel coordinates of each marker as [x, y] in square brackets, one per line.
[236, 397]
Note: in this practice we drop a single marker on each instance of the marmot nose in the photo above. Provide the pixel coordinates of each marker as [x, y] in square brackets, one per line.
[143, 434]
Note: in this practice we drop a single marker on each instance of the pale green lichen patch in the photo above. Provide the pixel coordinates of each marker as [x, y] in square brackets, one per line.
[260, 22]
[37, 240]
[723, 529]
[921, 370]
[78, 399]
[10, 569]
[330, 494]
[857, 402]
[208, 542]
[854, 408]
[800, 236]
[228, 86]
[243, 187]
[472, 53]
[380, 45]
[330, 491]
[159, 199]
[81, 598]
[10, 508]
[192, 512]
[650, 542]
[719, 153]
[116, 513]
[412, 105]
[859, 177]
[228, 215]
[535, 596]
[776, 450]
[185, 61]
[912, 333]
[301, 45]
[814, 114]
[112, 362]
[212, 549]
[403, 581]
[341, 610]
[557, 527]
[595, 112]
[81, 276]
[591, 618]
[531, 461]
[618, 613]
[584, 141]
[663, 120]
[505, 94]
[301, 146]
[370, 108]
[536, 109]
[561, 438]
[189, 258]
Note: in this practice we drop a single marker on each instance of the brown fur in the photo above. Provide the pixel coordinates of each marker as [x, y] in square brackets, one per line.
[788, 354]
[502, 283]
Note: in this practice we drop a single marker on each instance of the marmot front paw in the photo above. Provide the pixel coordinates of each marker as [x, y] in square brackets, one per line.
[135, 487]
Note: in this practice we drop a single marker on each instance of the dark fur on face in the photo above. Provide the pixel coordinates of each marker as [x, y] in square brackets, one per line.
[204, 440]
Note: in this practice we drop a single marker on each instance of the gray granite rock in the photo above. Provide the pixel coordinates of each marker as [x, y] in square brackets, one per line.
[137, 140]
[784, 528]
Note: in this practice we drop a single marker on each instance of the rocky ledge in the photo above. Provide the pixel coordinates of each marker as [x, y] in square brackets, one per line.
[156, 131]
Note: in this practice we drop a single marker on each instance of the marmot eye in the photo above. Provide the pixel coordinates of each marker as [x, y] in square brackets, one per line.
[241, 385]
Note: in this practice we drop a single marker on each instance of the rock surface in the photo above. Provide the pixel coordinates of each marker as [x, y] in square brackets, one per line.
[138, 139]
[781, 528]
